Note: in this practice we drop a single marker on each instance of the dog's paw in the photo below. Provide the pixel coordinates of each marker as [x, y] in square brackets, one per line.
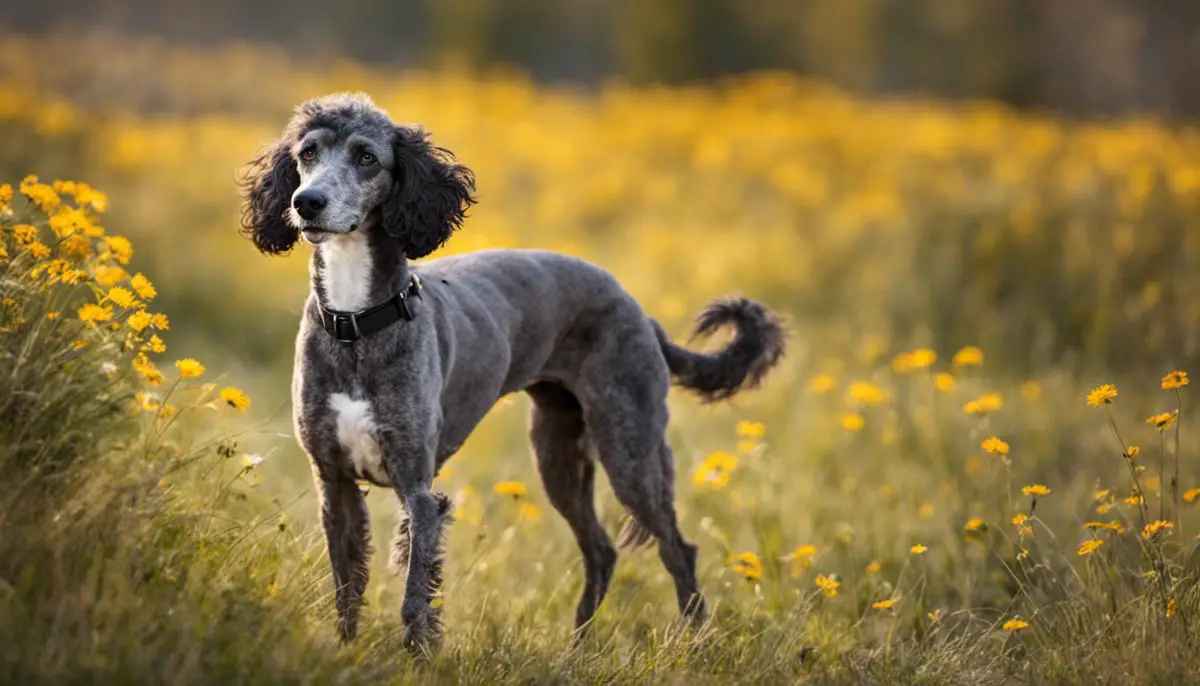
[423, 632]
[422, 624]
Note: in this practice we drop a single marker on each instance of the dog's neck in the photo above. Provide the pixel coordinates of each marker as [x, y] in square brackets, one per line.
[355, 271]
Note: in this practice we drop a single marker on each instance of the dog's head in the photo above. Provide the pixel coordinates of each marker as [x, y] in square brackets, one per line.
[342, 165]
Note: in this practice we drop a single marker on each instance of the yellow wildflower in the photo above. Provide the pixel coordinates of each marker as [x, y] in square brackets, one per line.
[6, 196]
[922, 358]
[1015, 624]
[1134, 500]
[1190, 495]
[747, 566]
[515, 489]
[974, 525]
[1170, 608]
[884, 604]
[801, 558]
[749, 429]
[25, 234]
[747, 446]
[1036, 490]
[39, 250]
[943, 381]
[970, 356]
[160, 321]
[76, 248]
[828, 585]
[40, 194]
[852, 421]
[1019, 519]
[109, 275]
[988, 402]
[935, 616]
[86, 195]
[714, 472]
[866, 393]
[1162, 421]
[822, 384]
[1115, 527]
[1089, 546]
[1132, 452]
[156, 345]
[120, 247]
[189, 368]
[143, 366]
[143, 286]
[994, 446]
[138, 321]
[528, 512]
[1155, 528]
[94, 313]
[873, 567]
[1175, 380]
[918, 549]
[235, 398]
[122, 297]
[1102, 395]
[925, 511]
[51, 316]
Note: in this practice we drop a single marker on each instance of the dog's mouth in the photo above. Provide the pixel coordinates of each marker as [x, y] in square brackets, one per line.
[319, 234]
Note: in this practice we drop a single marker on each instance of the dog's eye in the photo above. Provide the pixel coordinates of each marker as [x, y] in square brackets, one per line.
[367, 159]
[308, 154]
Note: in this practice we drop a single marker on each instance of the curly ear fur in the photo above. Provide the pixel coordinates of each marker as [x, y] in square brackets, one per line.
[267, 185]
[431, 195]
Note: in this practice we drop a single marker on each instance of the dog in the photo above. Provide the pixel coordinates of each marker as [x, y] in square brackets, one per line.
[397, 362]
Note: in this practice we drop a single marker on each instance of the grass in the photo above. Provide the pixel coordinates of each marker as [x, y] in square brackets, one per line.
[958, 278]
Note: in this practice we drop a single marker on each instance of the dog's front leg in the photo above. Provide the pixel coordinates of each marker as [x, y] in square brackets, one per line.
[348, 536]
[428, 512]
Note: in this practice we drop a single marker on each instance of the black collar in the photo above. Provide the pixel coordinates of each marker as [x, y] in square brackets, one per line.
[347, 327]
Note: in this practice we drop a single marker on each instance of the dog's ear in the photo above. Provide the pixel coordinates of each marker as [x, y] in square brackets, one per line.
[431, 194]
[267, 185]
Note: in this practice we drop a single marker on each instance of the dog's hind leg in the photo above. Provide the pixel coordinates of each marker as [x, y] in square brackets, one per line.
[633, 450]
[569, 475]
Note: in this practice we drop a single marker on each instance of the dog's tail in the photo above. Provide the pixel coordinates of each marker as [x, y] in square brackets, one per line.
[757, 345]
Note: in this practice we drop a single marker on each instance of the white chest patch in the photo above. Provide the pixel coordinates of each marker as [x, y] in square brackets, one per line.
[356, 431]
[346, 272]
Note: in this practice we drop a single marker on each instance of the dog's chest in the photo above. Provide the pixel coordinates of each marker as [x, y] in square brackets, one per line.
[358, 434]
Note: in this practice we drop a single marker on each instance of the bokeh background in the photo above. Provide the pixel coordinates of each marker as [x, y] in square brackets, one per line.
[1014, 175]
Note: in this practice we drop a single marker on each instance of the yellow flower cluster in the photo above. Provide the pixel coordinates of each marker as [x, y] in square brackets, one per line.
[86, 253]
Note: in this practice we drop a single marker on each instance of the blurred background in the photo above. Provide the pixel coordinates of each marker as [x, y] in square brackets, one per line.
[1083, 57]
[1017, 175]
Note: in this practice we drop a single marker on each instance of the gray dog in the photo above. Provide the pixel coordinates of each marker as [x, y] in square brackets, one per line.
[396, 363]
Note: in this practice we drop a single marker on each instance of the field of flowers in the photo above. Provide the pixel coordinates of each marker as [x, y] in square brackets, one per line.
[978, 463]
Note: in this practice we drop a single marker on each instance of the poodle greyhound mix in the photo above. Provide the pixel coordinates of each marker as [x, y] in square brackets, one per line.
[396, 363]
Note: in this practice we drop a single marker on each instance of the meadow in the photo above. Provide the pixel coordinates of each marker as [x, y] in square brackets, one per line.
[978, 462]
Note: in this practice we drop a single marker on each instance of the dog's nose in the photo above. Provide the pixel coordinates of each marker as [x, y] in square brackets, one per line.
[309, 203]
